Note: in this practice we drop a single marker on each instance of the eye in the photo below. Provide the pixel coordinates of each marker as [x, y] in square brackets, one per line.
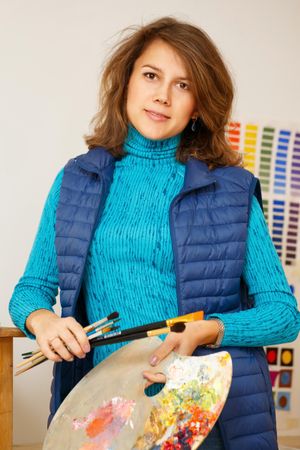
[186, 86]
[149, 73]
[152, 75]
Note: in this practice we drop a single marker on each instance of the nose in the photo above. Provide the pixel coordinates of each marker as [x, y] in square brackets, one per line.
[162, 97]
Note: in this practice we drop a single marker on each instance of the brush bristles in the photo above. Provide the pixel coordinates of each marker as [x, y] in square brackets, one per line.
[113, 315]
[178, 327]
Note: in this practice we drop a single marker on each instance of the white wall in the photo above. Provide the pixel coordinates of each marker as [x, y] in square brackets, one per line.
[51, 56]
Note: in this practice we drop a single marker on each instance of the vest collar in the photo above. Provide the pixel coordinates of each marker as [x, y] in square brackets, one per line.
[95, 160]
[197, 174]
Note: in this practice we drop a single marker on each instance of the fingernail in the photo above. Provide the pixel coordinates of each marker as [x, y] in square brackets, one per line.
[86, 348]
[153, 360]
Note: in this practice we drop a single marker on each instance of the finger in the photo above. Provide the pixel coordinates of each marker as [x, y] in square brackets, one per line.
[79, 334]
[71, 343]
[185, 348]
[151, 377]
[164, 349]
[59, 347]
[48, 352]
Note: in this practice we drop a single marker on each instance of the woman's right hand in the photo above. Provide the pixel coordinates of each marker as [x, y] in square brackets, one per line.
[58, 338]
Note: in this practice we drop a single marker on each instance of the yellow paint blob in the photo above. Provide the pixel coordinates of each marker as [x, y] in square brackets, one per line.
[286, 357]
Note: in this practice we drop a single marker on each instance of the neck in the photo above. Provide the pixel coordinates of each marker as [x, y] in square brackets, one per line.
[140, 146]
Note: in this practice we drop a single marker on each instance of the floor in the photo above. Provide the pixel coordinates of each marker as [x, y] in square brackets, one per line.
[287, 443]
[28, 447]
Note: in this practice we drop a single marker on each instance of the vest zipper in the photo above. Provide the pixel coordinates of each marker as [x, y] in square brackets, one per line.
[173, 238]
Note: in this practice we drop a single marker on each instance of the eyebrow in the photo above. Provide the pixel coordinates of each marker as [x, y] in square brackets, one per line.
[159, 70]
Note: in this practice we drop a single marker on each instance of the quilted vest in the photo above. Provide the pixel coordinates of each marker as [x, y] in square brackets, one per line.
[208, 225]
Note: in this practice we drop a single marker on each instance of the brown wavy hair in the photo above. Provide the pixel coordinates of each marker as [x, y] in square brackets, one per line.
[211, 85]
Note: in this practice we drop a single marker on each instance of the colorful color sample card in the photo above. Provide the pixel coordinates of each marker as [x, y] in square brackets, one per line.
[272, 153]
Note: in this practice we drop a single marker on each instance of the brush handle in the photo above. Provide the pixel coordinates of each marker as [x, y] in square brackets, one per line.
[33, 364]
[101, 328]
[148, 327]
[38, 354]
[30, 356]
[131, 331]
[198, 315]
[117, 339]
[92, 326]
[129, 337]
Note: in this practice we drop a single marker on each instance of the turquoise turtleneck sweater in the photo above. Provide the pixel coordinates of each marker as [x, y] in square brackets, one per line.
[130, 265]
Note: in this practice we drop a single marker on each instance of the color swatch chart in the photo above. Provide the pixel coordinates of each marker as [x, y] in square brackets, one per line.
[272, 153]
[281, 362]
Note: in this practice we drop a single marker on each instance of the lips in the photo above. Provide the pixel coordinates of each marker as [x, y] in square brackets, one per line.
[157, 113]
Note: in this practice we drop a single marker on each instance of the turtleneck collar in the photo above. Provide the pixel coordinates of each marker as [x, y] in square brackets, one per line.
[138, 145]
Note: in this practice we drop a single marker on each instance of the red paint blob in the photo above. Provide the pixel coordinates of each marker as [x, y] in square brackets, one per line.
[272, 356]
[98, 425]
[282, 401]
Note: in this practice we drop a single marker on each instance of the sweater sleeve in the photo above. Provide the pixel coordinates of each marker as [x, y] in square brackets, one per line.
[275, 318]
[38, 287]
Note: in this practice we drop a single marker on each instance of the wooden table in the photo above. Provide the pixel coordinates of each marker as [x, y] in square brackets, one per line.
[7, 334]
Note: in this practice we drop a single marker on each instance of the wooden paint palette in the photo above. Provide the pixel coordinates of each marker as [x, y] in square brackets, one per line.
[108, 409]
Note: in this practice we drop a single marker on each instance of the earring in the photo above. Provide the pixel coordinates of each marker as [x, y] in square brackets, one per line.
[193, 127]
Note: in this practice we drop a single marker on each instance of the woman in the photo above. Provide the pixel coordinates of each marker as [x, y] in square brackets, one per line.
[158, 219]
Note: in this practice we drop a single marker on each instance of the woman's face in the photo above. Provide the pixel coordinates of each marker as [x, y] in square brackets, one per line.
[159, 83]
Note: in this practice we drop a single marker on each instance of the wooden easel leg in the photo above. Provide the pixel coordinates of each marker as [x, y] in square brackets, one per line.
[6, 393]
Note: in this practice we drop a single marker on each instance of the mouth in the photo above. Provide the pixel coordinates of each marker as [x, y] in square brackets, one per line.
[157, 115]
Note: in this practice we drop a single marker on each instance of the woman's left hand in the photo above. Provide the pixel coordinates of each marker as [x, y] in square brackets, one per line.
[199, 332]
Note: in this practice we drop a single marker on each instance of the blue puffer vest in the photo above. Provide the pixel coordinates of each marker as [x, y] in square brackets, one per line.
[208, 224]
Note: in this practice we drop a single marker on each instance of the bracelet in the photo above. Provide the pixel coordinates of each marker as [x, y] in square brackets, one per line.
[221, 330]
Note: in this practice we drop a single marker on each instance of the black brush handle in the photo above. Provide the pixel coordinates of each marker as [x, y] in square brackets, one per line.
[116, 339]
[130, 331]
[179, 328]
[147, 327]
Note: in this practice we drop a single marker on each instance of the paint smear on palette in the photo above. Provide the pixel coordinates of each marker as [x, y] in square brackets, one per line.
[105, 423]
[189, 405]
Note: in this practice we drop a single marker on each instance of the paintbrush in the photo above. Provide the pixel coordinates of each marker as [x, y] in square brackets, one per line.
[34, 363]
[29, 354]
[198, 315]
[107, 339]
[156, 325]
[40, 354]
[113, 316]
[177, 328]
[97, 330]
[165, 323]
[102, 332]
[37, 355]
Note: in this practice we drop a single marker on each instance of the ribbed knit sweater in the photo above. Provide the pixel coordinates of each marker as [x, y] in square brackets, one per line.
[130, 265]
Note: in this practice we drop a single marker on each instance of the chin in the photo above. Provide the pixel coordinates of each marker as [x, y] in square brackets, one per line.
[153, 133]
